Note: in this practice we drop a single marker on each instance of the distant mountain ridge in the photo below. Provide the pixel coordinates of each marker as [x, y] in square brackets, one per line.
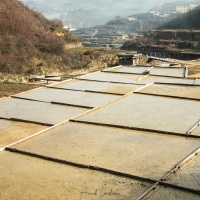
[88, 13]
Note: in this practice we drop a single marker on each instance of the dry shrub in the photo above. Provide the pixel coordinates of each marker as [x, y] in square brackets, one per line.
[24, 34]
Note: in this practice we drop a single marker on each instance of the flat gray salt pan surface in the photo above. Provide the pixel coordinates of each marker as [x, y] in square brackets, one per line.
[196, 131]
[166, 193]
[149, 112]
[197, 81]
[173, 90]
[69, 97]
[171, 72]
[189, 175]
[24, 177]
[98, 86]
[128, 69]
[111, 148]
[113, 77]
[13, 131]
[158, 71]
[152, 79]
[37, 111]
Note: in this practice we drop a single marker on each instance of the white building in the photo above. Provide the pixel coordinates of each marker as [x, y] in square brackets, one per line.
[192, 6]
[186, 8]
[182, 9]
[154, 12]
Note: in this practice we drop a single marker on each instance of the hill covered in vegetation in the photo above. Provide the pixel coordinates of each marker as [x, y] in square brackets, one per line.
[188, 20]
[181, 33]
[139, 23]
[29, 42]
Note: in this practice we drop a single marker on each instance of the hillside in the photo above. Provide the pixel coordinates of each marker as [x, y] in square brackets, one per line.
[181, 34]
[29, 42]
[189, 20]
[139, 22]
[115, 32]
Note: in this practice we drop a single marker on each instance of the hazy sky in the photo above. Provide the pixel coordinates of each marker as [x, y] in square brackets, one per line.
[144, 5]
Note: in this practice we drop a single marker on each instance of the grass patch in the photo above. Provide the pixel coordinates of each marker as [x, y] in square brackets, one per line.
[194, 70]
[103, 51]
[7, 89]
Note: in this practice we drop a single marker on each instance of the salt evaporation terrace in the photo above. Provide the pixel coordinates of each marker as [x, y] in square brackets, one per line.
[116, 134]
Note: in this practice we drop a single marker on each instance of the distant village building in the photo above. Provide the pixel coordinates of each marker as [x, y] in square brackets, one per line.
[186, 8]
[155, 12]
[125, 18]
[182, 9]
[178, 7]
[130, 18]
[192, 6]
